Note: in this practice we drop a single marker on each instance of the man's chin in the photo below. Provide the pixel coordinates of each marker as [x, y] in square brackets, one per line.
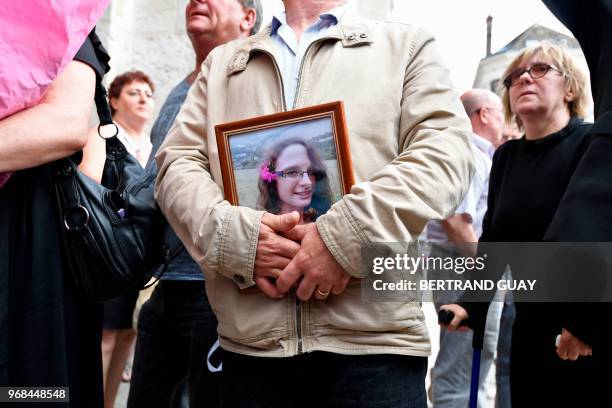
[198, 25]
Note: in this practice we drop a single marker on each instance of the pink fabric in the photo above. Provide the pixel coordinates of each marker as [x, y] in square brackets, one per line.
[38, 38]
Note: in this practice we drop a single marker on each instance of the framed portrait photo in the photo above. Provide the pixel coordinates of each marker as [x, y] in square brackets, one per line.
[297, 160]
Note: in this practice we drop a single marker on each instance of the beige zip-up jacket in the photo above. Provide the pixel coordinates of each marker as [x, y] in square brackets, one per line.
[410, 146]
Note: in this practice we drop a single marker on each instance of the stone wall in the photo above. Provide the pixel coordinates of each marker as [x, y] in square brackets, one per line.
[149, 35]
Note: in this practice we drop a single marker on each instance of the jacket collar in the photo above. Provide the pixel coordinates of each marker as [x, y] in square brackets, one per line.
[351, 31]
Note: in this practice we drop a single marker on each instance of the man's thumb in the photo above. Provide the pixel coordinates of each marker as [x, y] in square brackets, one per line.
[283, 222]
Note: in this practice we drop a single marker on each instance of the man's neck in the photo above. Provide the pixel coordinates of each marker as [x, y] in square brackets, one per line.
[487, 138]
[202, 48]
[301, 14]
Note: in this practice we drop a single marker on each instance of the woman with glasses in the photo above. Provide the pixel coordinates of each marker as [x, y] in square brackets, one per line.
[131, 101]
[545, 93]
[293, 178]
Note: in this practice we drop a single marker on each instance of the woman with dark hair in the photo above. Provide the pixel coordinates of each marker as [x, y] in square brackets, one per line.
[293, 178]
[131, 102]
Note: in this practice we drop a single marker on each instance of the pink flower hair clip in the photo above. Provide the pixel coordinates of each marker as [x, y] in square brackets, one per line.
[266, 172]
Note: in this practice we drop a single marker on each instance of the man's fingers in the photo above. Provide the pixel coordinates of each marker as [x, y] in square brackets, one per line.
[288, 276]
[570, 347]
[296, 234]
[455, 323]
[275, 245]
[267, 263]
[585, 351]
[562, 352]
[460, 314]
[339, 286]
[285, 247]
[283, 222]
[306, 289]
[268, 288]
[322, 292]
[270, 273]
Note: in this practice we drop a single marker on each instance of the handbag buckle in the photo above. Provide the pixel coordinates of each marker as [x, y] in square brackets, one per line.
[76, 218]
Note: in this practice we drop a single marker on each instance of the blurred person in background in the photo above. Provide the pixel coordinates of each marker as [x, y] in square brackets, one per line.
[510, 132]
[451, 372]
[176, 351]
[130, 96]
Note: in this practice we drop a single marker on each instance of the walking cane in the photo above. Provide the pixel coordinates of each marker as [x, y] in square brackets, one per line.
[445, 317]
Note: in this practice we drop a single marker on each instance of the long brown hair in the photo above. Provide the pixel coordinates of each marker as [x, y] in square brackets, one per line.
[268, 192]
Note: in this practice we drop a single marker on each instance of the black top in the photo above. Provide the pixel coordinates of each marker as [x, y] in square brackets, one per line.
[585, 214]
[93, 53]
[590, 22]
[528, 179]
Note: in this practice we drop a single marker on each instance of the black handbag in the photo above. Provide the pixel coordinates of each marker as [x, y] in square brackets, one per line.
[114, 231]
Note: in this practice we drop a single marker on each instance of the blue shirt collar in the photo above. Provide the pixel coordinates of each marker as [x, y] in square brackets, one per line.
[331, 17]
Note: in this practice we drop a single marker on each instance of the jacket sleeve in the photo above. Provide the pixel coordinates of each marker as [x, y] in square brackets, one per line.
[193, 203]
[428, 178]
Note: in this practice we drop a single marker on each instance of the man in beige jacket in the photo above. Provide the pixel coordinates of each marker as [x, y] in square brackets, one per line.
[410, 144]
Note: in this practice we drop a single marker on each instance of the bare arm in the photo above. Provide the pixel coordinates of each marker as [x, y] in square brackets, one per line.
[55, 128]
[459, 230]
[94, 156]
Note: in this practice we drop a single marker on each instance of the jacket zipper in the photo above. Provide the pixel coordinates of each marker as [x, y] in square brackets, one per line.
[298, 324]
[299, 82]
[298, 302]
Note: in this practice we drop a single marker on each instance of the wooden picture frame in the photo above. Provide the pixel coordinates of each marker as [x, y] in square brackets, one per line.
[263, 159]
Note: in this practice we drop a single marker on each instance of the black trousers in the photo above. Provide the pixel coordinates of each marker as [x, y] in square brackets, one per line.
[321, 379]
[176, 330]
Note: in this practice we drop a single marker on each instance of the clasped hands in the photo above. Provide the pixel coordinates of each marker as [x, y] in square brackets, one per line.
[293, 255]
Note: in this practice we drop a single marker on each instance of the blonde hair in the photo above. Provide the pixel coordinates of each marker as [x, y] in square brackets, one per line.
[575, 79]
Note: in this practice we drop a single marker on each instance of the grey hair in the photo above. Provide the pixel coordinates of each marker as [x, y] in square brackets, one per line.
[255, 5]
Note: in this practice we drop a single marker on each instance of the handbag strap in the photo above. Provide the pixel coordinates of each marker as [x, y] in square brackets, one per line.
[104, 113]
[105, 117]
[112, 175]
